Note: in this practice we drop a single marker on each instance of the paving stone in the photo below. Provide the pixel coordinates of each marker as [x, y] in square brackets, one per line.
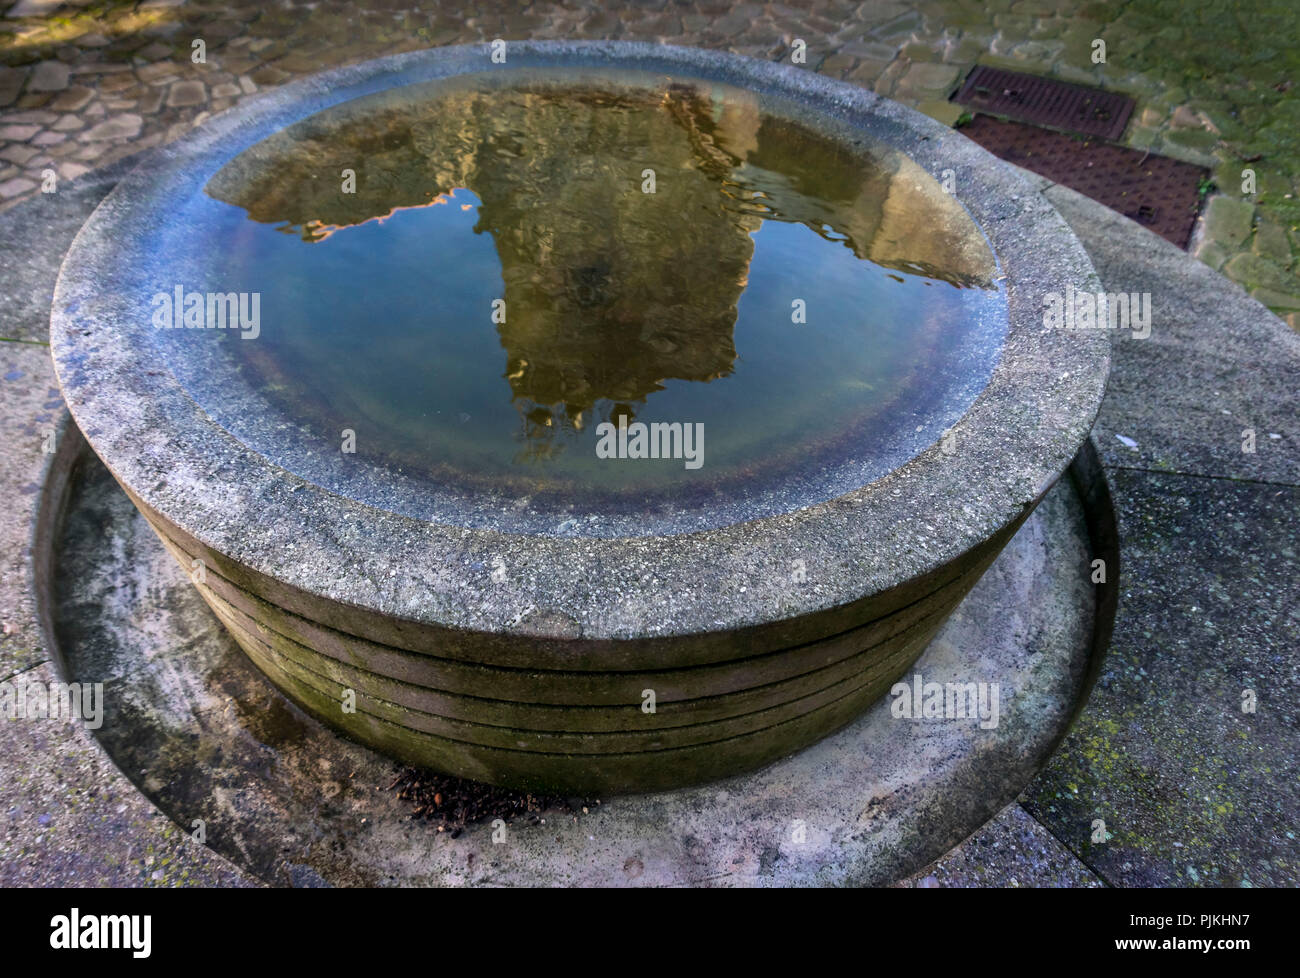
[1212, 253]
[125, 126]
[732, 24]
[18, 134]
[92, 41]
[157, 74]
[269, 75]
[1151, 116]
[1192, 790]
[155, 51]
[1252, 270]
[226, 90]
[1270, 242]
[150, 101]
[963, 51]
[100, 68]
[48, 76]
[49, 138]
[867, 72]
[16, 188]
[918, 51]
[11, 83]
[1193, 139]
[37, 117]
[870, 50]
[836, 65]
[1277, 300]
[73, 100]
[220, 31]
[1228, 220]
[900, 27]
[17, 153]
[1013, 24]
[1012, 850]
[1036, 52]
[1143, 137]
[116, 83]
[1082, 73]
[186, 93]
[930, 76]
[92, 152]
[238, 65]
[946, 112]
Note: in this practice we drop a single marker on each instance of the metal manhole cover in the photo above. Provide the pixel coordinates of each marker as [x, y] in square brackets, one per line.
[1046, 102]
[1159, 193]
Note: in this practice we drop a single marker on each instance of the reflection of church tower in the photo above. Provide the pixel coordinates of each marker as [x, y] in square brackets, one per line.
[610, 290]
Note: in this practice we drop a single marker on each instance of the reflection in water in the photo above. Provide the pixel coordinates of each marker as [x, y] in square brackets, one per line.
[623, 218]
[677, 306]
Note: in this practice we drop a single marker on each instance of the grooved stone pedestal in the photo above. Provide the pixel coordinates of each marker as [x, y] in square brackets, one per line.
[538, 681]
[206, 737]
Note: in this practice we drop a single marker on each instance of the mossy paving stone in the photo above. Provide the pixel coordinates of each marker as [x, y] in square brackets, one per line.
[1192, 790]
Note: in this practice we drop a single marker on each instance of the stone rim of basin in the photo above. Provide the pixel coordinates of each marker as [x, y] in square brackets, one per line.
[591, 602]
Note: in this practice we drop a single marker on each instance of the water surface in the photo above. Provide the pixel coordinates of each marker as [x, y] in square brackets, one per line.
[497, 281]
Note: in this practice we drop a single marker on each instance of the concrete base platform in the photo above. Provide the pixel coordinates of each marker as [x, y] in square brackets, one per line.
[199, 730]
[1193, 791]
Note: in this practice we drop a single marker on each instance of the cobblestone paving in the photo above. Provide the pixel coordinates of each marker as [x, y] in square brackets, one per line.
[85, 83]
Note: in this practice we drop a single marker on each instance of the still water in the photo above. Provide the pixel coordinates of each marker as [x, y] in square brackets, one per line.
[481, 278]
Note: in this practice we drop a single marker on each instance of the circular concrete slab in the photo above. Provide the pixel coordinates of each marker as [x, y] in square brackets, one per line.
[191, 722]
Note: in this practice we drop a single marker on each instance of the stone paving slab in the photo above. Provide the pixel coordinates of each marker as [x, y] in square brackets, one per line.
[1215, 364]
[32, 410]
[68, 817]
[1012, 850]
[1192, 790]
[45, 224]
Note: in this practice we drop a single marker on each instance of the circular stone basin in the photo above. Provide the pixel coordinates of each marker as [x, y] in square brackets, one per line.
[612, 418]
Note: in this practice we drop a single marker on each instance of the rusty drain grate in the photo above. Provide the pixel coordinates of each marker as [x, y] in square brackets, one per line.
[1160, 193]
[1045, 102]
